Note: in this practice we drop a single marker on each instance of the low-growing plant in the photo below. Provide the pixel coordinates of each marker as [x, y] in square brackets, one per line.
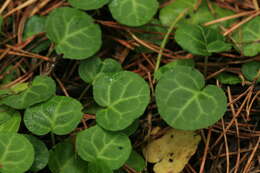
[182, 97]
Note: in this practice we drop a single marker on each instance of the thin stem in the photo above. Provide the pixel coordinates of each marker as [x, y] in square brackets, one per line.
[206, 60]
[165, 39]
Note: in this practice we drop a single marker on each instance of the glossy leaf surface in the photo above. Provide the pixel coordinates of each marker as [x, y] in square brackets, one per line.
[97, 144]
[185, 103]
[124, 96]
[16, 153]
[74, 33]
[59, 115]
[88, 4]
[133, 12]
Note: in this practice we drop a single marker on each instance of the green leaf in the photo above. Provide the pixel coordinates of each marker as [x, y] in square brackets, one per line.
[59, 115]
[9, 119]
[228, 78]
[98, 166]
[16, 153]
[131, 129]
[63, 159]
[74, 33]
[204, 14]
[169, 66]
[133, 12]
[41, 89]
[170, 12]
[200, 40]
[124, 96]
[152, 32]
[91, 68]
[185, 103]
[136, 161]
[250, 70]
[35, 25]
[97, 144]
[41, 153]
[248, 37]
[89, 4]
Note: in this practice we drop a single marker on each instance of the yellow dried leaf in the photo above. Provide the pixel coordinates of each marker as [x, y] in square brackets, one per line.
[172, 151]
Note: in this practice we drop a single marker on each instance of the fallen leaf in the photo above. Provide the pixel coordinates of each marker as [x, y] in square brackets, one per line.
[172, 151]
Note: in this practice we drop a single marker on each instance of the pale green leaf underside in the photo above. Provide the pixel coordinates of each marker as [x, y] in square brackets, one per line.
[124, 96]
[97, 144]
[133, 12]
[9, 119]
[91, 68]
[183, 101]
[41, 157]
[88, 4]
[250, 70]
[63, 159]
[200, 40]
[16, 153]
[248, 37]
[41, 89]
[59, 115]
[74, 33]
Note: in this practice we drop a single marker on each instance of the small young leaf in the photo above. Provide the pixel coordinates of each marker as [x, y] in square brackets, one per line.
[247, 38]
[228, 78]
[170, 12]
[133, 12]
[183, 101]
[74, 33]
[124, 96]
[250, 70]
[98, 166]
[91, 68]
[9, 119]
[59, 115]
[16, 153]
[63, 159]
[136, 161]
[41, 153]
[34, 26]
[200, 40]
[110, 147]
[185, 62]
[88, 4]
[41, 89]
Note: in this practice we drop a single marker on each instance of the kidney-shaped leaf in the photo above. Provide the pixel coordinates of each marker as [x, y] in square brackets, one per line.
[250, 70]
[184, 102]
[16, 153]
[88, 4]
[34, 26]
[59, 115]
[200, 40]
[74, 33]
[41, 153]
[9, 119]
[91, 68]
[97, 144]
[124, 96]
[63, 159]
[133, 12]
[41, 89]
